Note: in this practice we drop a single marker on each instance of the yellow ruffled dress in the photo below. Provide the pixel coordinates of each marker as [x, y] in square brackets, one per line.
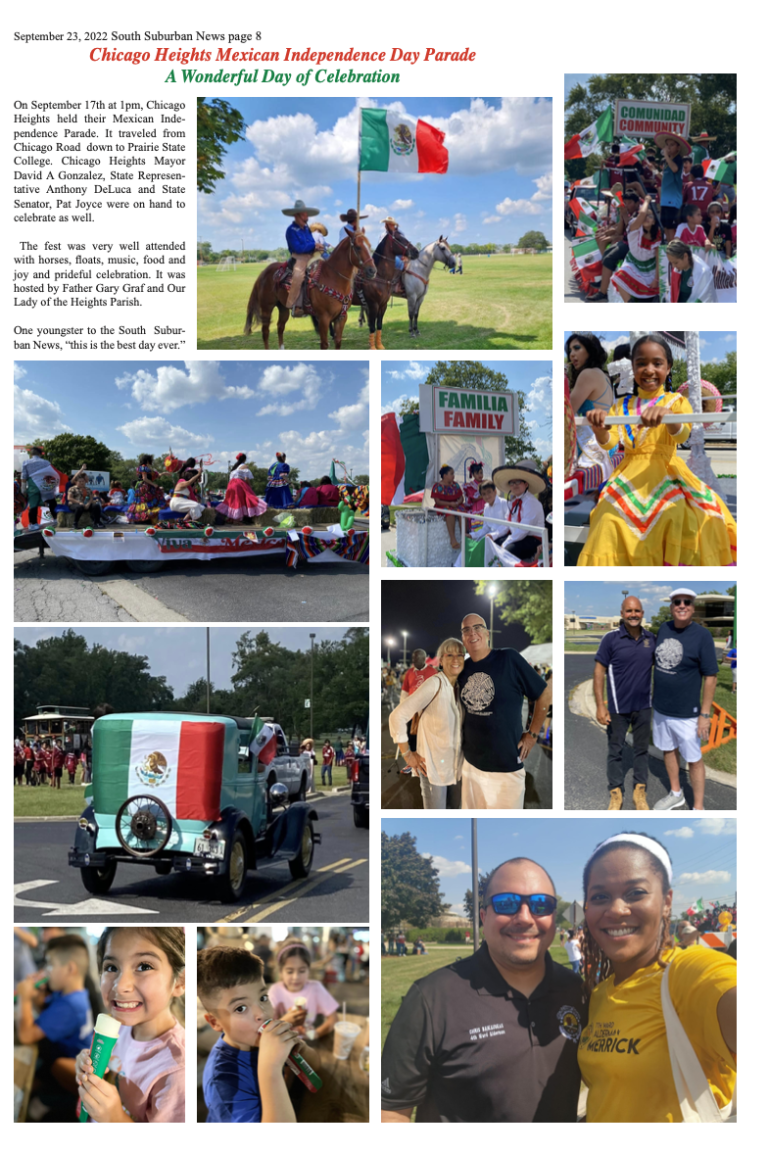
[653, 510]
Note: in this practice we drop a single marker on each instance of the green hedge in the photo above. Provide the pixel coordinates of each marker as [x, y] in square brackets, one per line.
[436, 934]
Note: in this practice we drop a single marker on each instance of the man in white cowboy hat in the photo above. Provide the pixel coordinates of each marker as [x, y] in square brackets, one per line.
[521, 484]
[673, 149]
[700, 151]
[302, 244]
[349, 221]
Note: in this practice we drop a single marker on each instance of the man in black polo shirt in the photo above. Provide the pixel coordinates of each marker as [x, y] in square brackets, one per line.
[626, 654]
[494, 686]
[493, 1037]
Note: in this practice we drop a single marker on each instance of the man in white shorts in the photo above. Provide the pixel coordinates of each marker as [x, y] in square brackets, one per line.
[684, 657]
[494, 688]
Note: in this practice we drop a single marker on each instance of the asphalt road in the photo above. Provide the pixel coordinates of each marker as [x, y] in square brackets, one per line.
[586, 747]
[53, 590]
[47, 888]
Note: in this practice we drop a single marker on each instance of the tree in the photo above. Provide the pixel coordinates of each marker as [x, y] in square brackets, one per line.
[410, 888]
[533, 240]
[476, 375]
[68, 451]
[482, 881]
[218, 124]
[527, 603]
[664, 613]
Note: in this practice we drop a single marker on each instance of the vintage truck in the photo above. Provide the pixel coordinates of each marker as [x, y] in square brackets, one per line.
[183, 791]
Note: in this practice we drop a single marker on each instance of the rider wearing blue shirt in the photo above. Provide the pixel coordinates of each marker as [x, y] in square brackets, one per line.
[302, 244]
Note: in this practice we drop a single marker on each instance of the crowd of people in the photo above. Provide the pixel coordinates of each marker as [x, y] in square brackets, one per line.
[45, 761]
[64, 986]
[663, 199]
[652, 510]
[173, 487]
[636, 1018]
[465, 722]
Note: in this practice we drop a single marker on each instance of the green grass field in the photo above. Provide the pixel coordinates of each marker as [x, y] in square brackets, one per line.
[504, 302]
[399, 974]
[42, 801]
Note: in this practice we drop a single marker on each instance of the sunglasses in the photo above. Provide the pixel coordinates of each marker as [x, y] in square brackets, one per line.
[540, 905]
[682, 601]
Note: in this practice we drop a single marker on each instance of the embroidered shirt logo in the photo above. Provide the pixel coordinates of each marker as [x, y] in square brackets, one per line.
[478, 693]
[569, 1022]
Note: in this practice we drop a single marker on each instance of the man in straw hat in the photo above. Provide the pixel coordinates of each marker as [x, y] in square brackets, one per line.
[673, 149]
[520, 485]
[302, 244]
[350, 226]
[700, 151]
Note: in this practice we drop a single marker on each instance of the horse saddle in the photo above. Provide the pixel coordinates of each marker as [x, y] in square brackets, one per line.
[283, 276]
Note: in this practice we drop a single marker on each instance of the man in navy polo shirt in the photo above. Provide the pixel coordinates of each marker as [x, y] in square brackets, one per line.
[493, 1037]
[626, 656]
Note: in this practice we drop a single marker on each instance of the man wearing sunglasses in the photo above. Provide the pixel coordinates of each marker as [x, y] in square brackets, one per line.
[493, 1037]
[494, 687]
[685, 656]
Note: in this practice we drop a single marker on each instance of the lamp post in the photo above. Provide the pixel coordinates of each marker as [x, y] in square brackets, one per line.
[475, 890]
[389, 642]
[312, 685]
[405, 647]
[493, 592]
[208, 670]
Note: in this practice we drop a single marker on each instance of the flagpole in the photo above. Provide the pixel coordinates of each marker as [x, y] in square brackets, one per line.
[359, 159]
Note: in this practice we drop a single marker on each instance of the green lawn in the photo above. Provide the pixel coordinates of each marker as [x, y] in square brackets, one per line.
[399, 974]
[504, 302]
[42, 801]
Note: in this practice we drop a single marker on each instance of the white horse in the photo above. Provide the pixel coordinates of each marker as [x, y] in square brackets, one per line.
[416, 278]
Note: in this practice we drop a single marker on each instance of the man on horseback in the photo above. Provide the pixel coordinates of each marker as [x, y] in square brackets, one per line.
[393, 228]
[302, 244]
[349, 224]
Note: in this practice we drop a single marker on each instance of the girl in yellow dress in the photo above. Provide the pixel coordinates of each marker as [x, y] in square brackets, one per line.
[653, 510]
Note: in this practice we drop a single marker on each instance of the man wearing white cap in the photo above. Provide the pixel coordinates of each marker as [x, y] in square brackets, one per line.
[685, 655]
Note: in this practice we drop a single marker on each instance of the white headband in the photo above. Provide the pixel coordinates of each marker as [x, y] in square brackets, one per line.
[646, 843]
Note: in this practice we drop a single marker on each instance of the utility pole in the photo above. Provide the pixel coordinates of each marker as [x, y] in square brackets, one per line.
[475, 890]
[208, 669]
[312, 685]
[493, 592]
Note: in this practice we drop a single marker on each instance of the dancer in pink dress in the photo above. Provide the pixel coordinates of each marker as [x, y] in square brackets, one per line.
[240, 502]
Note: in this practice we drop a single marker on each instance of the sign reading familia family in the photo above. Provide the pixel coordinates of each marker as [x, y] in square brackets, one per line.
[647, 117]
[464, 410]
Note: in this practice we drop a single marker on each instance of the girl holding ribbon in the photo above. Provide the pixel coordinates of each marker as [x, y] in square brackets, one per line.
[653, 510]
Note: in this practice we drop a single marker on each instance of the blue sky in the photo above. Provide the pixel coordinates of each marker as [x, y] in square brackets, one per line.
[498, 184]
[312, 412]
[574, 78]
[400, 382]
[179, 654]
[703, 850]
[713, 346]
[605, 597]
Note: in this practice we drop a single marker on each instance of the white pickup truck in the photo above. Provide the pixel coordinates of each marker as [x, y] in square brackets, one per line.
[294, 770]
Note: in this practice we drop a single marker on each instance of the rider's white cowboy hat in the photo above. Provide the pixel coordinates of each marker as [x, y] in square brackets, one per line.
[661, 139]
[299, 208]
[521, 471]
[390, 220]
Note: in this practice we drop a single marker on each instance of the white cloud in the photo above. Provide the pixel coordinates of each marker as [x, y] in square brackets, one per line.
[34, 417]
[459, 222]
[509, 207]
[350, 417]
[543, 187]
[717, 825]
[395, 406]
[706, 878]
[729, 338]
[458, 909]
[281, 381]
[19, 372]
[492, 219]
[539, 395]
[681, 831]
[447, 868]
[459, 837]
[401, 205]
[171, 388]
[157, 433]
[312, 452]
[416, 371]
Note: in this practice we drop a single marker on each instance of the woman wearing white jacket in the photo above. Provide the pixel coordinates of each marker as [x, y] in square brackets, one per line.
[438, 757]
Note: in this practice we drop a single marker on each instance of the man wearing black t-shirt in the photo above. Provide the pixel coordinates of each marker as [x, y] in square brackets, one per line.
[494, 687]
[493, 1037]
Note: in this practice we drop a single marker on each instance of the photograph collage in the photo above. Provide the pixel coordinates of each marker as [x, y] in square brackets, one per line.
[358, 313]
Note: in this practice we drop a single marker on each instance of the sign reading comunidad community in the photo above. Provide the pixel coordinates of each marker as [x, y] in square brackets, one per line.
[647, 117]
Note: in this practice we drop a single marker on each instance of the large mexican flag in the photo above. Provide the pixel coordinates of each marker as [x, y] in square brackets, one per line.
[393, 142]
[587, 141]
[404, 458]
[179, 762]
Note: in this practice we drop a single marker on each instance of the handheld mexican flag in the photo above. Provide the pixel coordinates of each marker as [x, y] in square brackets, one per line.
[587, 141]
[631, 151]
[393, 142]
[180, 762]
[262, 741]
[722, 169]
[581, 210]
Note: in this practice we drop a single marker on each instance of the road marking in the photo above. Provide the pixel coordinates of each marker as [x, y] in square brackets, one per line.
[75, 909]
[310, 885]
[141, 606]
[279, 893]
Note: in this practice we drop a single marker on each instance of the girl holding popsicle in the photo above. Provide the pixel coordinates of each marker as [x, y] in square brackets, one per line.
[142, 971]
[296, 997]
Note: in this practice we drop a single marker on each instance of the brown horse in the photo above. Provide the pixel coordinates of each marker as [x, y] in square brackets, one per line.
[329, 287]
[374, 294]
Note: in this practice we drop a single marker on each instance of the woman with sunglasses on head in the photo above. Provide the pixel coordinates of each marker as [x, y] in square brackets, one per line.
[653, 510]
[590, 388]
[643, 992]
[438, 757]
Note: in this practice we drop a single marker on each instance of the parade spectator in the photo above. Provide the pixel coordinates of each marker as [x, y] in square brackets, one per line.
[685, 659]
[720, 234]
[673, 149]
[339, 754]
[70, 764]
[690, 230]
[626, 655]
[699, 191]
[401, 947]
[302, 1002]
[613, 242]
[327, 762]
[691, 278]
[349, 760]
[730, 659]
[57, 764]
[29, 762]
[573, 950]
[415, 676]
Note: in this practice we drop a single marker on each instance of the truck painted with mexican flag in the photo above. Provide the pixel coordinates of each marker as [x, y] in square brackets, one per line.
[189, 792]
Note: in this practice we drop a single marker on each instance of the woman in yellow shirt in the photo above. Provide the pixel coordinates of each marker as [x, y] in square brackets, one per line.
[653, 510]
[623, 1050]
